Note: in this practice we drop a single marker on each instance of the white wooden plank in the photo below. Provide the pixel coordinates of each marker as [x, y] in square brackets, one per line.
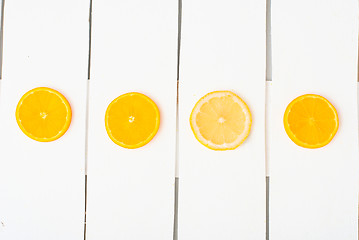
[131, 192]
[222, 193]
[42, 184]
[314, 193]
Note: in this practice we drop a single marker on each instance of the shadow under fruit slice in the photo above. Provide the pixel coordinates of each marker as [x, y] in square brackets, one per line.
[311, 121]
[132, 120]
[43, 114]
[221, 120]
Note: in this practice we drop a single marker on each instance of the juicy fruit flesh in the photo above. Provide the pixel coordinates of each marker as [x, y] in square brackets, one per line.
[132, 120]
[42, 115]
[313, 121]
[220, 120]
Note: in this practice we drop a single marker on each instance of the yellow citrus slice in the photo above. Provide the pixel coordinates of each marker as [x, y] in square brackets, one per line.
[311, 121]
[221, 120]
[132, 120]
[43, 114]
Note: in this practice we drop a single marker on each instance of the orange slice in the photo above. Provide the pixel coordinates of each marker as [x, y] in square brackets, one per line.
[311, 121]
[221, 120]
[132, 120]
[43, 114]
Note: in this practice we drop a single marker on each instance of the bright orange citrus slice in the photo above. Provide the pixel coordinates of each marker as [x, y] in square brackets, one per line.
[43, 114]
[221, 120]
[132, 120]
[311, 121]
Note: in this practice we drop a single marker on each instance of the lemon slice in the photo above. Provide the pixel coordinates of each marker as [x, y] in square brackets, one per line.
[221, 120]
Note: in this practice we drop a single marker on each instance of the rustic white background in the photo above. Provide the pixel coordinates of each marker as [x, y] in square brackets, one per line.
[222, 194]
[131, 191]
[42, 184]
[313, 193]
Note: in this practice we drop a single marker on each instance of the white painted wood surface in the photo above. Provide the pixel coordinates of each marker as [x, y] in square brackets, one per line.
[131, 191]
[42, 184]
[222, 193]
[314, 193]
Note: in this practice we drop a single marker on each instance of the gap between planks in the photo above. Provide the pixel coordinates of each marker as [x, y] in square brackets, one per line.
[267, 105]
[87, 111]
[179, 30]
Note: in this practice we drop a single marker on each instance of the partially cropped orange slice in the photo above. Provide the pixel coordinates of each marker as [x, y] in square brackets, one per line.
[311, 121]
[221, 120]
[132, 120]
[43, 114]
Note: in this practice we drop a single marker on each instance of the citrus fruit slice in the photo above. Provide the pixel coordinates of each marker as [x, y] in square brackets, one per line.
[132, 120]
[311, 121]
[43, 114]
[221, 120]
